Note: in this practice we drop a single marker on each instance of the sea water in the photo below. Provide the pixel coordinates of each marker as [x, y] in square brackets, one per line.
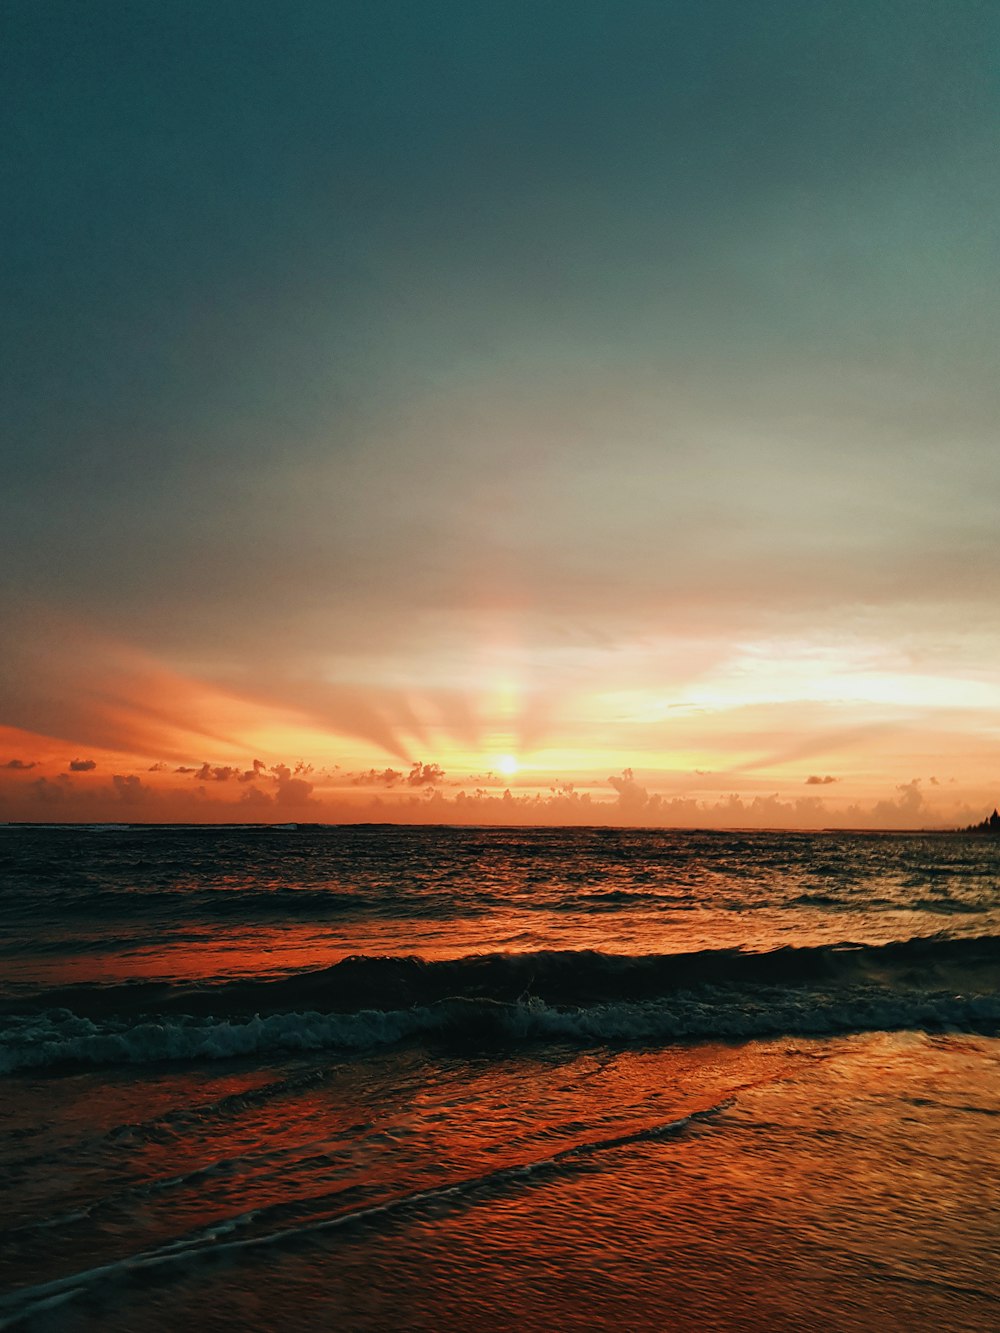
[433, 1078]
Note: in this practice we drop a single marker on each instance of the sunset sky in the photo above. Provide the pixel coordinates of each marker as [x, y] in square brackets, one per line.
[404, 404]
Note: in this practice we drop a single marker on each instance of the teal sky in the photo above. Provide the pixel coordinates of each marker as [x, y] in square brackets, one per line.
[357, 357]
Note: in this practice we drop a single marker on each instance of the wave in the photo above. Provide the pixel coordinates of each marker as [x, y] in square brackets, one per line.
[193, 905]
[222, 1239]
[557, 977]
[946, 907]
[196, 906]
[170, 1123]
[64, 1038]
[365, 1002]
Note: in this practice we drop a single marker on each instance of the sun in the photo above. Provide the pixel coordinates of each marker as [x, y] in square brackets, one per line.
[507, 765]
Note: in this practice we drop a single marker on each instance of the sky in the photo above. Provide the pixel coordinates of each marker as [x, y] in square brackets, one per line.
[510, 412]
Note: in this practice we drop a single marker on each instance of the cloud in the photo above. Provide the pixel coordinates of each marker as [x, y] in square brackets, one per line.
[907, 807]
[378, 716]
[280, 793]
[420, 775]
[157, 768]
[813, 780]
[51, 792]
[81, 765]
[486, 479]
[633, 799]
[20, 765]
[815, 743]
[218, 773]
[60, 679]
[258, 771]
[372, 777]
[291, 786]
[294, 792]
[255, 798]
[130, 789]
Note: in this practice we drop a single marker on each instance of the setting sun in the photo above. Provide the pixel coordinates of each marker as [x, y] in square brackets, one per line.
[507, 765]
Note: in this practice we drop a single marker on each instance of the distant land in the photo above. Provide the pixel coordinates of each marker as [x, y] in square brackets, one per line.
[989, 826]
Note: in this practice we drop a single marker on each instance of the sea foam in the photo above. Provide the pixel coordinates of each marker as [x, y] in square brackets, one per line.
[61, 1037]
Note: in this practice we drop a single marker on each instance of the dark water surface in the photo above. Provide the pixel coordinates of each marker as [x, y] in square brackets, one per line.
[441, 1078]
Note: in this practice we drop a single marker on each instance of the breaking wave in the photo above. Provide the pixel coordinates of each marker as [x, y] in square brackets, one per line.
[363, 1003]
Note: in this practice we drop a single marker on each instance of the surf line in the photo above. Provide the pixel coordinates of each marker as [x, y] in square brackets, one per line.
[31, 1301]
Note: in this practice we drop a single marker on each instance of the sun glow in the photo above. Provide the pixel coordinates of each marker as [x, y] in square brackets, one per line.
[507, 765]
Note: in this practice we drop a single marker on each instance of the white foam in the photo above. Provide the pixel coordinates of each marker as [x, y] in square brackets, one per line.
[62, 1037]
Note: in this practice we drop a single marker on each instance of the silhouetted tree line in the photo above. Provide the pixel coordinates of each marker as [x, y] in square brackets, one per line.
[990, 826]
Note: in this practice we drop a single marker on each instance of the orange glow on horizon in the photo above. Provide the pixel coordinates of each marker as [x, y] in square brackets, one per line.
[792, 731]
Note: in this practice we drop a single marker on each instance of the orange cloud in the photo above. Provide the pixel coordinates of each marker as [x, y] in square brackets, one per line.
[279, 794]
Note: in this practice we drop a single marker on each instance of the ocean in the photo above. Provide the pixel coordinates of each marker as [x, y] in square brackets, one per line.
[436, 1078]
